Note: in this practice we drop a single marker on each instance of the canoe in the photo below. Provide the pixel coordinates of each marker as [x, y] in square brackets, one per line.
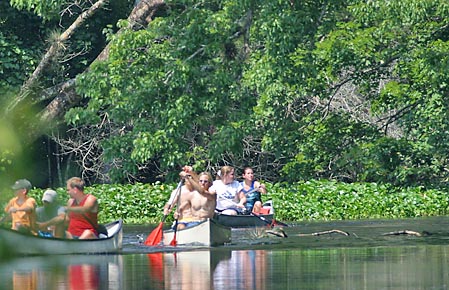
[207, 233]
[247, 220]
[243, 221]
[25, 244]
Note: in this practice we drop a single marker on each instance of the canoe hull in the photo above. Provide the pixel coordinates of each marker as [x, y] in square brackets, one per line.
[20, 243]
[248, 220]
[208, 233]
[243, 221]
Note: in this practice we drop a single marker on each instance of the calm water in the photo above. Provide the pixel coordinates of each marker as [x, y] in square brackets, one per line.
[365, 259]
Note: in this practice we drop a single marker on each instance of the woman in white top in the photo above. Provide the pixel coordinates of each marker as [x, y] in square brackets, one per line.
[230, 197]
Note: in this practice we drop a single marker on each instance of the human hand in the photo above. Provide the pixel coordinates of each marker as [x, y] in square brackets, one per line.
[41, 226]
[184, 175]
[187, 169]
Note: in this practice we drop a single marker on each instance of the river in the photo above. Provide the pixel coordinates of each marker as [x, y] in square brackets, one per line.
[362, 254]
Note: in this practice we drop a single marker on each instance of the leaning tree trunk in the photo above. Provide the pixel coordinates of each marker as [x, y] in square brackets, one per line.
[50, 56]
[63, 96]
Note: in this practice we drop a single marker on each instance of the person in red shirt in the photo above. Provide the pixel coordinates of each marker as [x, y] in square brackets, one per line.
[82, 210]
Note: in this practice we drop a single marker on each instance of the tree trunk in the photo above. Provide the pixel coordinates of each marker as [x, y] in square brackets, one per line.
[64, 96]
[50, 56]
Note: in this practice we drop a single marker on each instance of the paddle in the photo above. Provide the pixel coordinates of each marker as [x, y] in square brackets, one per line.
[173, 242]
[272, 223]
[155, 237]
[232, 204]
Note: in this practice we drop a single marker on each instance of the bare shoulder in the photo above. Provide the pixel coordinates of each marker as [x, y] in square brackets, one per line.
[92, 198]
[70, 201]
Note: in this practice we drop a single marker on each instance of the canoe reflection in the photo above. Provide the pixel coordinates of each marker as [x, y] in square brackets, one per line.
[244, 270]
[83, 277]
[201, 270]
[191, 270]
[62, 272]
[24, 280]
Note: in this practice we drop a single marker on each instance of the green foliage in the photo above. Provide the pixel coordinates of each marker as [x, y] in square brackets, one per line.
[330, 200]
[47, 9]
[243, 81]
[19, 46]
[332, 148]
[309, 200]
[178, 77]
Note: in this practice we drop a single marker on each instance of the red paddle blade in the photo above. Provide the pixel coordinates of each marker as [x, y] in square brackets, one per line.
[173, 242]
[155, 237]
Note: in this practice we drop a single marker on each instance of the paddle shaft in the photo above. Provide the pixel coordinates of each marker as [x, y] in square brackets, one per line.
[155, 237]
[272, 222]
[173, 242]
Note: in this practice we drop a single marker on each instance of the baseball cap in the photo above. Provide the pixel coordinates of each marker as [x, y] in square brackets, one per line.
[50, 196]
[21, 184]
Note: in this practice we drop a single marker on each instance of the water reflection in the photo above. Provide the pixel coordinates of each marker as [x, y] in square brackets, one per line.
[364, 260]
[62, 272]
[420, 267]
[24, 280]
[83, 277]
[243, 270]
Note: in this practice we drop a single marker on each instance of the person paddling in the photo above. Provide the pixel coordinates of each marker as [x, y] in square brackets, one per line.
[230, 197]
[82, 210]
[252, 190]
[21, 208]
[196, 202]
[51, 216]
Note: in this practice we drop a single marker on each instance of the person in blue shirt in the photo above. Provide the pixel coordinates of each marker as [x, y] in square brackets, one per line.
[252, 190]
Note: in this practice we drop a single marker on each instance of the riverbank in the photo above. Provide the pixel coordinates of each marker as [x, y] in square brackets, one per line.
[312, 200]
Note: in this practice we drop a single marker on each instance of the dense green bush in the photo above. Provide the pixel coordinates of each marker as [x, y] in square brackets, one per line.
[310, 200]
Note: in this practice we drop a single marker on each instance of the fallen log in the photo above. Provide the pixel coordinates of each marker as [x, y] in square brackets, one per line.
[403, 232]
[325, 233]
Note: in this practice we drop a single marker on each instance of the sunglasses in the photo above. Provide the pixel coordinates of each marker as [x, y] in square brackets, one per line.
[203, 181]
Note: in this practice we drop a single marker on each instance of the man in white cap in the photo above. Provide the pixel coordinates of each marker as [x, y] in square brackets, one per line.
[51, 216]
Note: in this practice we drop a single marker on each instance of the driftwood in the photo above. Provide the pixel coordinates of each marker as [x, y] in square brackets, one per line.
[404, 232]
[279, 232]
[325, 233]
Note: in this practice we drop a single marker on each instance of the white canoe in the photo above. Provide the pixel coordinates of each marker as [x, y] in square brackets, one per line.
[19, 243]
[207, 233]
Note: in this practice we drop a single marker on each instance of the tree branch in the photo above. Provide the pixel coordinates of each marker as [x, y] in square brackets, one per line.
[46, 60]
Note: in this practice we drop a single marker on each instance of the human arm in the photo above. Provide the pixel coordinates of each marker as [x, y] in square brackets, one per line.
[242, 199]
[260, 187]
[209, 194]
[43, 223]
[90, 205]
[173, 199]
[28, 206]
[54, 221]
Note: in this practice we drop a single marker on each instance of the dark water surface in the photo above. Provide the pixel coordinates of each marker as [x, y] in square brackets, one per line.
[369, 257]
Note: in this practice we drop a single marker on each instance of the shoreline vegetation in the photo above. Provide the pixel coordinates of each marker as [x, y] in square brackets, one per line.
[314, 200]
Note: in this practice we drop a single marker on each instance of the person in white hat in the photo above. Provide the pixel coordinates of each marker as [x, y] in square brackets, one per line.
[51, 216]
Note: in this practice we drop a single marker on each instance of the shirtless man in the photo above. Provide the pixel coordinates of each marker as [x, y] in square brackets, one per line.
[196, 203]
